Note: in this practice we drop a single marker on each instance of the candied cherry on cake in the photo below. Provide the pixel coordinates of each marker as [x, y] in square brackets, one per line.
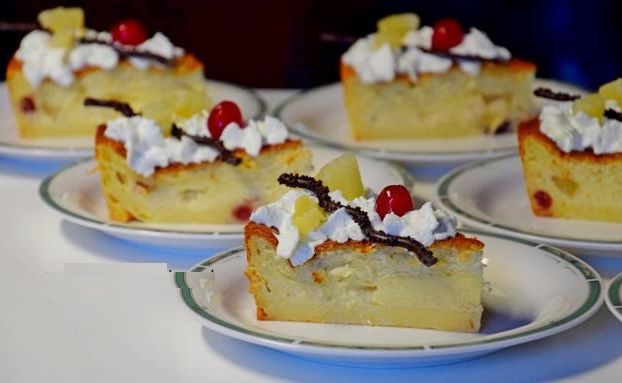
[221, 115]
[447, 34]
[128, 32]
[394, 199]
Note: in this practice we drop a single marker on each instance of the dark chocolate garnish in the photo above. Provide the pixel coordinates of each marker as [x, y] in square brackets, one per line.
[122, 107]
[125, 51]
[613, 115]
[553, 95]
[457, 57]
[225, 154]
[315, 186]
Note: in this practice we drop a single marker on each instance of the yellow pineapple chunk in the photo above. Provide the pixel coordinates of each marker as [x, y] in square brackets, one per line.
[592, 104]
[62, 39]
[391, 29]
[612, 91]
[343, 174]
[308, 215]
[61, 19]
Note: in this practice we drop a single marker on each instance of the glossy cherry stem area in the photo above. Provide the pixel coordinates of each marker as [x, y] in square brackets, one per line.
[222, 115]
[394, 199]
[447, 34]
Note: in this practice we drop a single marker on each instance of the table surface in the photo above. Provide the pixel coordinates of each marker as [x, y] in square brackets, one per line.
[80, 306]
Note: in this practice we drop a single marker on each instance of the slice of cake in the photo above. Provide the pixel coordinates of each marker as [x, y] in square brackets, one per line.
[55, 69]
[214, 175]
[572, 156]
[411, 82]
[316, 255]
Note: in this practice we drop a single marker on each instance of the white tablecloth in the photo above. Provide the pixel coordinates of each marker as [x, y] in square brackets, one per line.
[79, 306]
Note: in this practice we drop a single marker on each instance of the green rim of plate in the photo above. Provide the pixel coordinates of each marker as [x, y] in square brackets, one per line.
[593, 298]
[44, 193]
[442, 194]
[614, 293]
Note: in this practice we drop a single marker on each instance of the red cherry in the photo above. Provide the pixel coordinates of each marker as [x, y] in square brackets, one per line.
[221, 115]
[447, 34]
[128, 32]
[394, 199]
[243, 212]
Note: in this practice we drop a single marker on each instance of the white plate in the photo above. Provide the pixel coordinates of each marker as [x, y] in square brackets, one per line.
[68, 148]
[614, 296]
[535, 291]
[319, 115]
[75, 192]
[491, 195]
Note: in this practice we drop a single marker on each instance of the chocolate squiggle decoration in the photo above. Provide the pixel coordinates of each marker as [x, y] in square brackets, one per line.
[456, 57]
[613, 115]
[122, 107]
[124, 51]
[359, 216]
[225, 154]
[557, 96]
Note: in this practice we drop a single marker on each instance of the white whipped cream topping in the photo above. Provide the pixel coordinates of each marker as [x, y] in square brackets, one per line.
[94, 55]
[41, 61]
[382, 64]
[147, 148]
[158, 44]
[371, 65]
[577, 131]
[425, 225]
[251, 138]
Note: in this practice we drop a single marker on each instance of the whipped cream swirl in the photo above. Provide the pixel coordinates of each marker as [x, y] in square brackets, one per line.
[147, 149]
[577, 131]
[425, 225]
[41, 61]
[383, 64]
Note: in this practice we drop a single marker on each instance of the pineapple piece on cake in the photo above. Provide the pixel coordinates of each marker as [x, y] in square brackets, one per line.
[572, 156]
[369, 260]
[410, 82]
[214, 170]
[55, 69]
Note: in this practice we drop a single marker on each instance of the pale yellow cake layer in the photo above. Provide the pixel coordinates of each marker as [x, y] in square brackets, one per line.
[206, 193]
[157, 93]
[367, 284]
[450, 104]
[578, 185]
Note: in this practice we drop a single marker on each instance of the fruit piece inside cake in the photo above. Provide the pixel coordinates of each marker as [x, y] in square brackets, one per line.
[215, 169]
[572, 155]
[56, 68]
[316, 256]
[406, 81]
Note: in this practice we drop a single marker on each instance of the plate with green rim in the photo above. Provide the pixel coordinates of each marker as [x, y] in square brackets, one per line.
[534, 291]
[72, 148]
[491, 195]
[614, 296]
[319, 115]
[75, 193]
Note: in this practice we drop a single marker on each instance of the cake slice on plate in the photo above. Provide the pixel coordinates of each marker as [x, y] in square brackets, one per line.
[572, 155]
[337, 254]
[410, 82]
[55, 69]
[215, 169]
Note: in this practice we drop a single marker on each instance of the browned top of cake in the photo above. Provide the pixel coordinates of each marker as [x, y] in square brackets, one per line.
[531, 129]
[184, 64]
[102, 140]
[459, 242]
